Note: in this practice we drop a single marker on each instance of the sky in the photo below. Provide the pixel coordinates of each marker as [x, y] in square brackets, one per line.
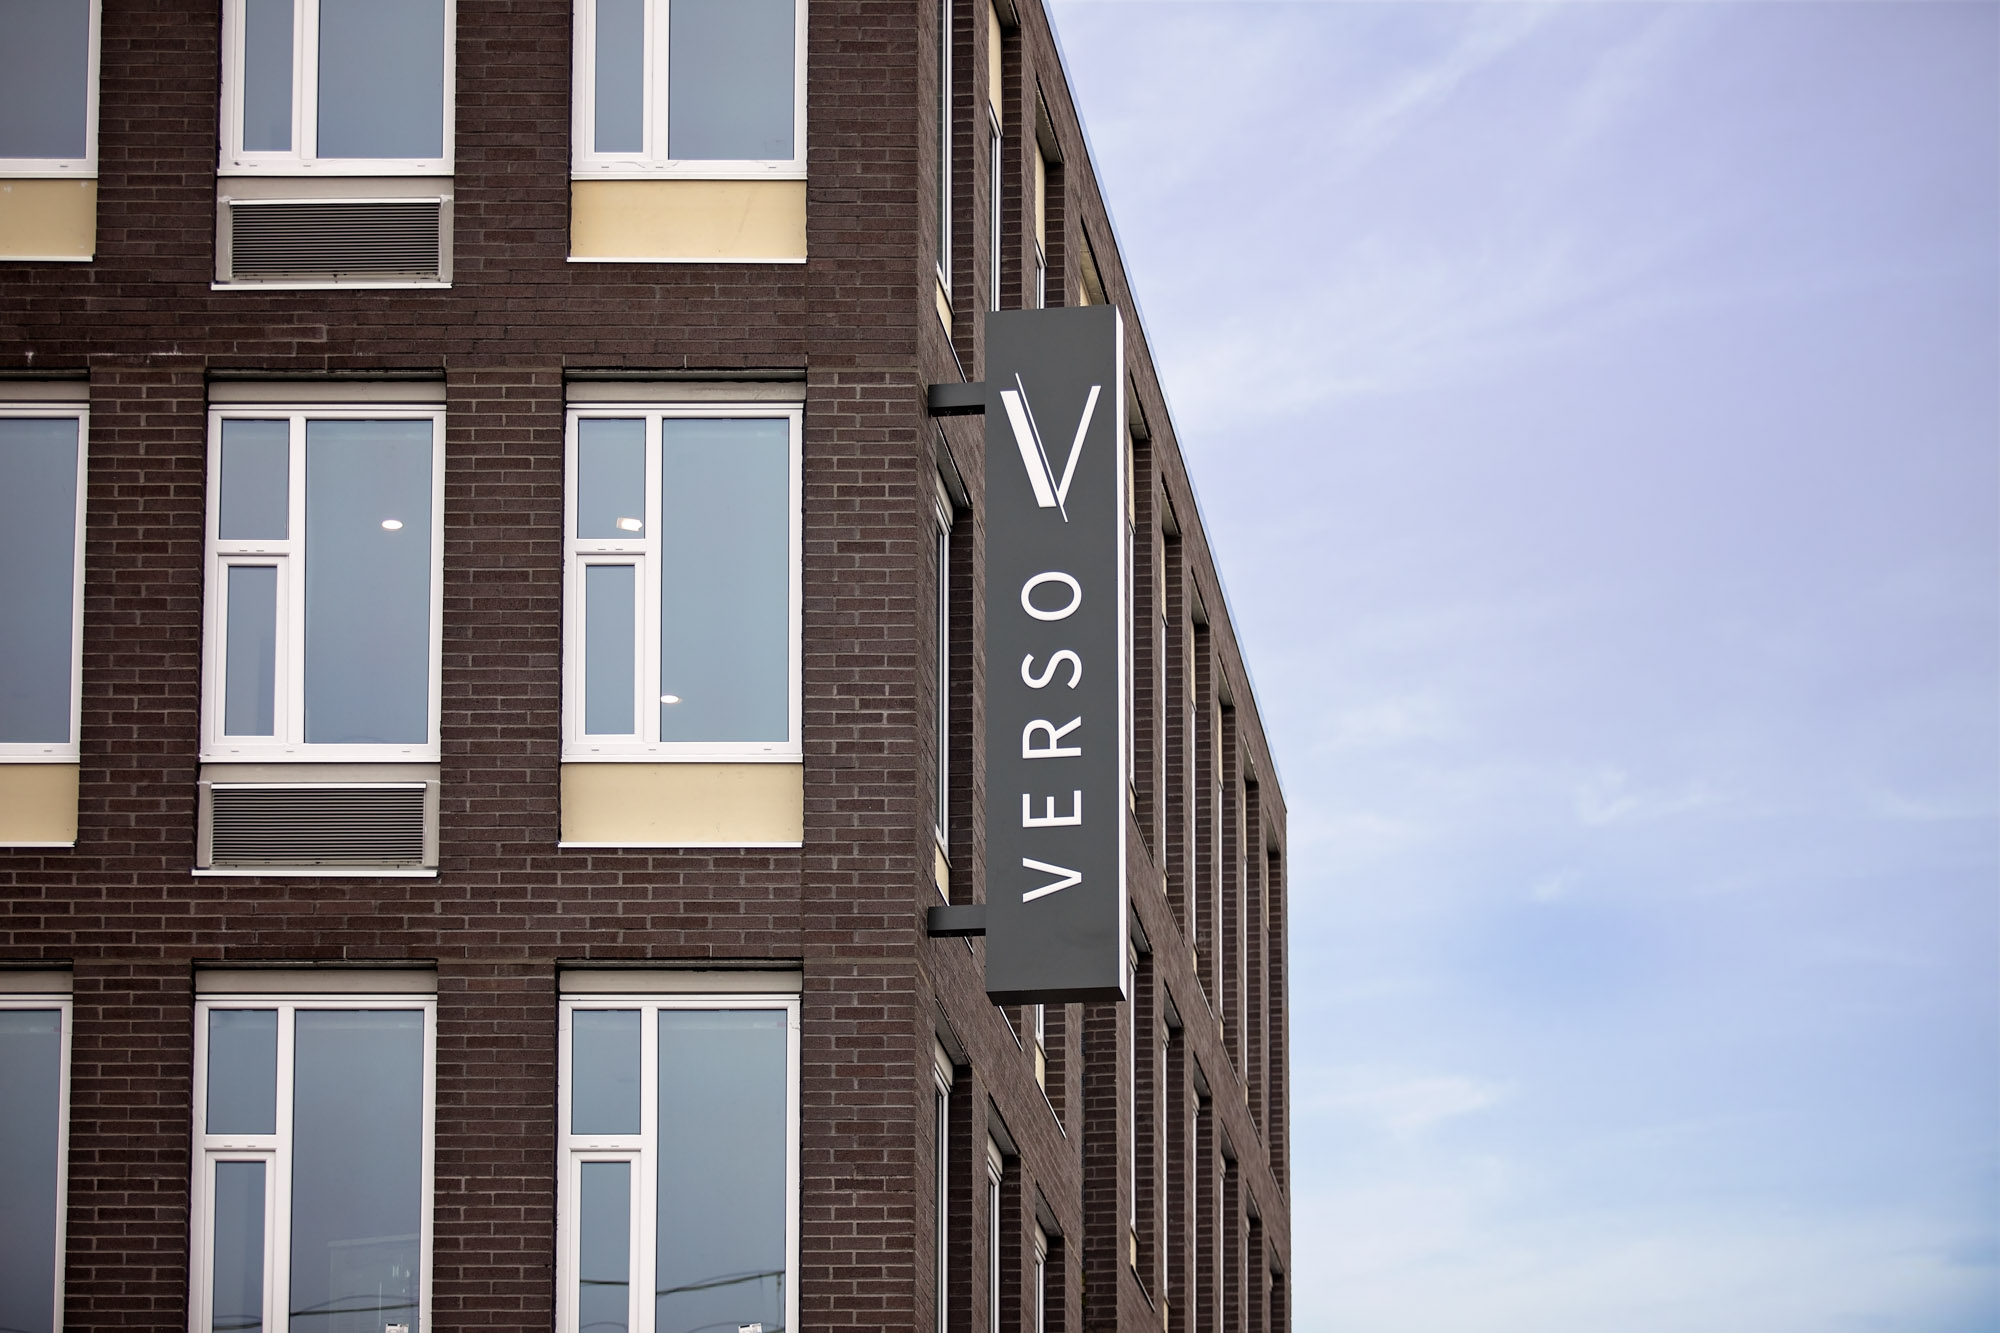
[1595, 410]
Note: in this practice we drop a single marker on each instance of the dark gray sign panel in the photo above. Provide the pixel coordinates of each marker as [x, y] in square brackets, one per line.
[1055, 655]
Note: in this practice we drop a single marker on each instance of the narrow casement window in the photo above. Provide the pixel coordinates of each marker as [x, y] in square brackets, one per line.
[324, 600]
[34, 1135]
[41, 567]
[313, 1164]
[1041, 1280]
[683, 584]
[1040, 288]
[1131, 1126]
[941, 1198]
[338, 86]
[48, 88]
[943, 107]
[690, 87]
[680, 1164]
[941, 750]
[1040, 1026]
[993, 157]
[993, 1176]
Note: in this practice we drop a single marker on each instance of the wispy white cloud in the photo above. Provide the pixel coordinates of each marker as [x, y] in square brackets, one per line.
[1397, 1103]
[1609, 797]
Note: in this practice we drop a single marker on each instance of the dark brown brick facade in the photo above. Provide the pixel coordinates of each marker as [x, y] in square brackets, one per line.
[143, 325]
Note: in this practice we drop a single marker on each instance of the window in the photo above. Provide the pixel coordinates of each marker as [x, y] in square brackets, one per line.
[941, 1167]
[941, 760]
[680, 1151]
[312, 1192]
[324, 555]
[993, 1173]
[994, 145]
[684, 586]
[34, 1149]
[700, 88]
[944, 20]
[1041, 1281]
[1041, 1030]
[1041, 285]
[48, 88]
[41, 580]
[354, 87]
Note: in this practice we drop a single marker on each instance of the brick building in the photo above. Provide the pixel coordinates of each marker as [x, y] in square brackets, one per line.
[491, 689]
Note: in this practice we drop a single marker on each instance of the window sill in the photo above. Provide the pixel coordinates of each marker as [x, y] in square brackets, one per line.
[674, 846]
[326, 286]
[19, 170]
[355, 167]
[751, 172]
[297, 872]
[683, 757]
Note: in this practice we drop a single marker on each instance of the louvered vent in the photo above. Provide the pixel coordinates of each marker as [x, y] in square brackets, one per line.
[318, 825]
[334, 239]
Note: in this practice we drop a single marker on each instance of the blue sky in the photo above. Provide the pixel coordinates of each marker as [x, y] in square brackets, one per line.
[1596, 411]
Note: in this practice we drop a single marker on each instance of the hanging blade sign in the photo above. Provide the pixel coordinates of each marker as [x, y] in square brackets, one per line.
[1055, 658]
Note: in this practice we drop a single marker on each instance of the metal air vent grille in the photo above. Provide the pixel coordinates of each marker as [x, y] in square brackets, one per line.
[332, 240]
[323, 824]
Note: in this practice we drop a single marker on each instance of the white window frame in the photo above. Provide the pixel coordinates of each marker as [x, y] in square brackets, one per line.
[60, 1002]
[996, 143]
[995, 1170]
[941, 1179]
[71, 168]
[652, 162]
[946, 20]
[69, 751]
[303, 157]
[643, 550]
[288, 554]
[941, 539]
[275, 1150]
[642, 1149]
[1041, 1311]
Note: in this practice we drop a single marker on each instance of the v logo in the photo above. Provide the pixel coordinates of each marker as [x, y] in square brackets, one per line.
[1049, 492]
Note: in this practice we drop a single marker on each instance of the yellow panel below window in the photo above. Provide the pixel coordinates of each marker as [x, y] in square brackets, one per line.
[683, 805]
[688, 220]
[38, 804]
[48, 219]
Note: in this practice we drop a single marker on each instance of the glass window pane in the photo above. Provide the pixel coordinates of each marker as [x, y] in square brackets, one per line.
[604, 1248]
[30, 1103]
[250, 652]
[610, 649]
[730, 79]
[236, 1301]
[611, 478]
[44, 78]
[368, 582]
[620, 70]
[357, 1170]
[381, 78]
[255, 501]
[604, 1071]
[722, 1158]
[37, 577]
[242, 1071]
[267, 75]
[725, 575]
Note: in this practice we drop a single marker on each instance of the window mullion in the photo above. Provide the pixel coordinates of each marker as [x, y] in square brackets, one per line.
[278, 1221]
[650, 622]
[653, 106]
[645, 1189]
[305, 83]
[292, 653]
